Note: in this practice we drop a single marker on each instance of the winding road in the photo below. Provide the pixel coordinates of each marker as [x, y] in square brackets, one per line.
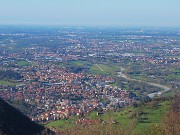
[151, 95]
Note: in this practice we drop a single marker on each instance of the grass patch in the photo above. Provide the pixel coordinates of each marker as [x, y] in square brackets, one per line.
[139, 77]
[79, 62]
[153, 116]
[103, 69]
[7, 83]
[172, 56]
[121, 117]
[62, 124]
[73, 63]
[57, 124]
[23, 63]
[177, 45]
[115, 84]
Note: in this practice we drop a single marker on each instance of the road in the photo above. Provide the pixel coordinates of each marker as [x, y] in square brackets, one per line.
[151, 95]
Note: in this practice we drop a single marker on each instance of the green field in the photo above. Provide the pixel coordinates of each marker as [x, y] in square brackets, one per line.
[103, 69]
[23, 63]
[62, 124]
[177, 45]
[153, 117]
[73, 63]
[176, 72]
[57, 124]
[6, 83]
[139, 77]
[79, 62]
[120, 117]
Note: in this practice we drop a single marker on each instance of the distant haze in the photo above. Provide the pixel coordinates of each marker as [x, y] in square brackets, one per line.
[91, 12]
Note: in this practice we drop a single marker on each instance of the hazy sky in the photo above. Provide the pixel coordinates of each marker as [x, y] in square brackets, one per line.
[91, 12]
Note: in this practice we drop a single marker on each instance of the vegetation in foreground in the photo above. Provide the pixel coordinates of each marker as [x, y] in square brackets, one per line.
[160, 121]
[135, 120]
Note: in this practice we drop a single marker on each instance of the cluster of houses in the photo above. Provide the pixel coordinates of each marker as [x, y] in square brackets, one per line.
[52, 92]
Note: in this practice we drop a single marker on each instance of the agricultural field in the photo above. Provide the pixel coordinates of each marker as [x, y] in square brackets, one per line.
[103, 69]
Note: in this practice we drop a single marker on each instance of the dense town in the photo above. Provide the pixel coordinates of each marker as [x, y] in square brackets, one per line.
[52, 90]
[58, 93]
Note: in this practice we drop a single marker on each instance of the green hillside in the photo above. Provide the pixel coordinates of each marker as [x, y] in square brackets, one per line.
[129, 120]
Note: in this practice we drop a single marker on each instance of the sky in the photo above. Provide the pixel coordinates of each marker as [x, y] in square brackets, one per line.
[91, 12]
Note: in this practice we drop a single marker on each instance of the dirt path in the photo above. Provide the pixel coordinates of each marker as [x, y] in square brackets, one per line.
[99, 67]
